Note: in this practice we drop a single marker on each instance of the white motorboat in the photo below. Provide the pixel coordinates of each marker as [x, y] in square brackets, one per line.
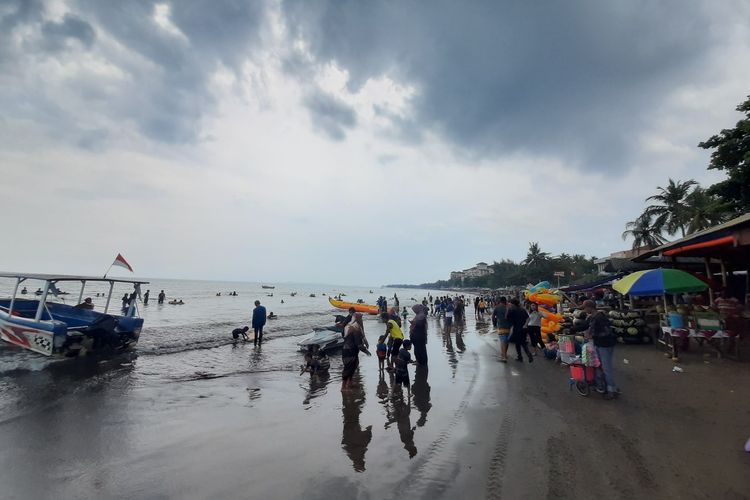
[325, 338]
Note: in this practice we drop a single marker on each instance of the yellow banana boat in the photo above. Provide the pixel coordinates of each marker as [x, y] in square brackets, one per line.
[363, 308]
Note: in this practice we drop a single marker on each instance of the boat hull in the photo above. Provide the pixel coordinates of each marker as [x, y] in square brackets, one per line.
[362, 308]
[72, 332]
[326, 339]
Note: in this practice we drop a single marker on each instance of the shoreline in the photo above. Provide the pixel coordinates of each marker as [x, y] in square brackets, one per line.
[474, 428]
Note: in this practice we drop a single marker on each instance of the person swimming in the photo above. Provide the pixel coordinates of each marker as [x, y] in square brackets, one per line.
[271, 315]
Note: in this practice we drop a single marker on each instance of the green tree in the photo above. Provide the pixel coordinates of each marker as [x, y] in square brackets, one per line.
[703, 210]
[668, 212]
[732, 155]
[535, 256]
[643, 232]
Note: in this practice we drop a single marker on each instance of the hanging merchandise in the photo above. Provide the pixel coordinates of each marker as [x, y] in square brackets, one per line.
[589, 357]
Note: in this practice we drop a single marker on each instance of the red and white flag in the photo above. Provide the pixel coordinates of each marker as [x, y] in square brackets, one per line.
[121, 262]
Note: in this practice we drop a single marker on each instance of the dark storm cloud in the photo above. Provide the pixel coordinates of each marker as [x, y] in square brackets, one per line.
[166, 89]
[57, 34]
[15, 13]
[572, 80]
[168, 103]
[330, 115]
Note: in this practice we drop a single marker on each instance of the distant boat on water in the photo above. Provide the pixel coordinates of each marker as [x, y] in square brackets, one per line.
[267, 287]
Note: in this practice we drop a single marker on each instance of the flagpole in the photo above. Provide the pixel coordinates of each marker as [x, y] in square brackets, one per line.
[108, 269]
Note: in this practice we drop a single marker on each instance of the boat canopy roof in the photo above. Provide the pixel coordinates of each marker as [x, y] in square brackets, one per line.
[67, 277]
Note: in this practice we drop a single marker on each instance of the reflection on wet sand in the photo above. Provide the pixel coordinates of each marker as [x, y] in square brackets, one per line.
[355, 440]
[316, 386]
[421, 393]
[460, 345]
[402, 415]
[483, 327]
[448, 343]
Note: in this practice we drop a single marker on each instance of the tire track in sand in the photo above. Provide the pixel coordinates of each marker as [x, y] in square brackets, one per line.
[496, 469]
[629, 446]
[435, 468]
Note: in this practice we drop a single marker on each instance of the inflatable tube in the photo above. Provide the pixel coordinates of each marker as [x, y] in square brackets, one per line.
[542, 285]
[546, 299]
[550, 316]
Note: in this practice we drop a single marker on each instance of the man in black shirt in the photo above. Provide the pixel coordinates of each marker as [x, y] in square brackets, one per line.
[517, 317]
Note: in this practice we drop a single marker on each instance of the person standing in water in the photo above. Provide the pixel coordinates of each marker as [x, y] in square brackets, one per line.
[395, 337]
[353, 344]
[145, 297]
[418, 334]
[258, 321]
[161, 297]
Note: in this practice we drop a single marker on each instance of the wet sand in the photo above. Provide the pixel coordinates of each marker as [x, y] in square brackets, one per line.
[474, 428]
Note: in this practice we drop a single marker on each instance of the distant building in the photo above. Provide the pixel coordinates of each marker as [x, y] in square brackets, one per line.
[621, 261]
[481, 269]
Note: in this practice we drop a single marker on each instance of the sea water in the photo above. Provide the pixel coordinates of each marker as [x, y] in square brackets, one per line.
[206, 319]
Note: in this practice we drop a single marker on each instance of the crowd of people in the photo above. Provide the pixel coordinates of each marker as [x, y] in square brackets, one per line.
[520, 324]
[517, 323]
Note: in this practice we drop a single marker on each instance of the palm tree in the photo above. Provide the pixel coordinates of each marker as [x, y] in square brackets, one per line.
[643, 232]
[703, 210]
[669, 212]
[535, 255]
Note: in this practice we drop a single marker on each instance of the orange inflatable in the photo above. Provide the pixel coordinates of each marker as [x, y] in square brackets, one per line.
[363, 308]
[557, 318]
[546, 299]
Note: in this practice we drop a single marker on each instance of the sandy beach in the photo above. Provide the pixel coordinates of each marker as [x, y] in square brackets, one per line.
[474, 428]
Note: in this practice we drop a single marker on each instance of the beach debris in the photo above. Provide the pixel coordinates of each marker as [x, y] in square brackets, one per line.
[677, 369]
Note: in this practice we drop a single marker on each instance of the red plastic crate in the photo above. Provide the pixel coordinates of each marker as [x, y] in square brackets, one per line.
[581, 373]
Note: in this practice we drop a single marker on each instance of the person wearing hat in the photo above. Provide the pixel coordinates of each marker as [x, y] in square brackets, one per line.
[418, 333]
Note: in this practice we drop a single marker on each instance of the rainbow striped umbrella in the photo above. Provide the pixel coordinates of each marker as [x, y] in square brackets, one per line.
[659, 282]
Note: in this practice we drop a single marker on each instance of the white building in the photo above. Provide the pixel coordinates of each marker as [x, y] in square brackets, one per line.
[481, 269]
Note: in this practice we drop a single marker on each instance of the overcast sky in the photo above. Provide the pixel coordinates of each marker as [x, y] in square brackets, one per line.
[349, 142]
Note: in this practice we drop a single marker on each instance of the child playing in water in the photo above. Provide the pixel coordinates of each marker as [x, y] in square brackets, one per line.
[382, 350]
[402, 366]
[405, 314]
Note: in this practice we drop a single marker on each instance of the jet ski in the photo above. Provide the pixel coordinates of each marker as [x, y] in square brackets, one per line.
[325, 338]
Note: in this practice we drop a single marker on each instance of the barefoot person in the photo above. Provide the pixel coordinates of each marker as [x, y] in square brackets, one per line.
[403, 359]
[395, 338]
[259, 321]
[353, 344]
[418, 334]
[500, 315]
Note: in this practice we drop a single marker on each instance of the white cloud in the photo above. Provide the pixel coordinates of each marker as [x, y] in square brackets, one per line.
[256, 193]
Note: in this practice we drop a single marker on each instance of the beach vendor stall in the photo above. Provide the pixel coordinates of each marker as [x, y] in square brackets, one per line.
[679, 323]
